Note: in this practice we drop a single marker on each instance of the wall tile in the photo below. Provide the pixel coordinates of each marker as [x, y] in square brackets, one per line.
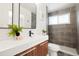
[65, 34]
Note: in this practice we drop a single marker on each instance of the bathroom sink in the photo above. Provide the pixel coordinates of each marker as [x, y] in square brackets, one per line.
[12, 46]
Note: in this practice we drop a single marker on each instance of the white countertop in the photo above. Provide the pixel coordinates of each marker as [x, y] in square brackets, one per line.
[12, 47]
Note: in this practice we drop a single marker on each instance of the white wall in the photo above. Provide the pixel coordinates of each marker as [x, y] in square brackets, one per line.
[41, 18]
[40, 22]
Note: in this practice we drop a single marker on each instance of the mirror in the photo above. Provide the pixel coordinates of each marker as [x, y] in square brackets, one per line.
[27, 15]
[5, 14]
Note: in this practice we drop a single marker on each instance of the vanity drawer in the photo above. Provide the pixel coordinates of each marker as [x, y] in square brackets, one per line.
[38, 50]
[29, 52]
[42, 49]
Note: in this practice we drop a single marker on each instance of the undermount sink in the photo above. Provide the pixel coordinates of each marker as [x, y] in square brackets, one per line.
[13, 46]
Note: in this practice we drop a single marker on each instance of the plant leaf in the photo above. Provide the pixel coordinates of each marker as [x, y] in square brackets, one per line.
[14, 29]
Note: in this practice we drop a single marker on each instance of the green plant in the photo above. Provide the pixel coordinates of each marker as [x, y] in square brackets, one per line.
[44, 31]
[14, 30]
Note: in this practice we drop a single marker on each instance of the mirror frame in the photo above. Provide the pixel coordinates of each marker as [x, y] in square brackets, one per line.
[19, 19]
[11, 19]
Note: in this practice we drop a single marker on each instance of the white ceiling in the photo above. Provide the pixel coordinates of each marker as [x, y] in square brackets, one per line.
[51, 6]
[58, 6]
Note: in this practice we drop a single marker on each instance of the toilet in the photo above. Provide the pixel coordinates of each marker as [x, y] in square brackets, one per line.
[53, 49]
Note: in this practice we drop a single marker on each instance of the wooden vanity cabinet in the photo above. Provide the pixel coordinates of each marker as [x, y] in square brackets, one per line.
[31, 52]
[38, 50]
[42, 49]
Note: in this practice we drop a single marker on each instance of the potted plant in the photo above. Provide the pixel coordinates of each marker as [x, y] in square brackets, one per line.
[15, 30]
[44, 32]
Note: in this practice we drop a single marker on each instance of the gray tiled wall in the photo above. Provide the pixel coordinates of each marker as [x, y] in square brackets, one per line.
[65, 34]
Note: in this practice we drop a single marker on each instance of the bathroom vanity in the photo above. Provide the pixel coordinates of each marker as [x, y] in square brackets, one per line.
[24, 15]
[30, 46]
[38, 50]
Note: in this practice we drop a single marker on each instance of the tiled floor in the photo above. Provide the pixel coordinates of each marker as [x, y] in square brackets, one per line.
[63, 49]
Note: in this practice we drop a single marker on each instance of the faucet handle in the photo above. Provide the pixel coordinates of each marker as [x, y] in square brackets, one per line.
[30, 33]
